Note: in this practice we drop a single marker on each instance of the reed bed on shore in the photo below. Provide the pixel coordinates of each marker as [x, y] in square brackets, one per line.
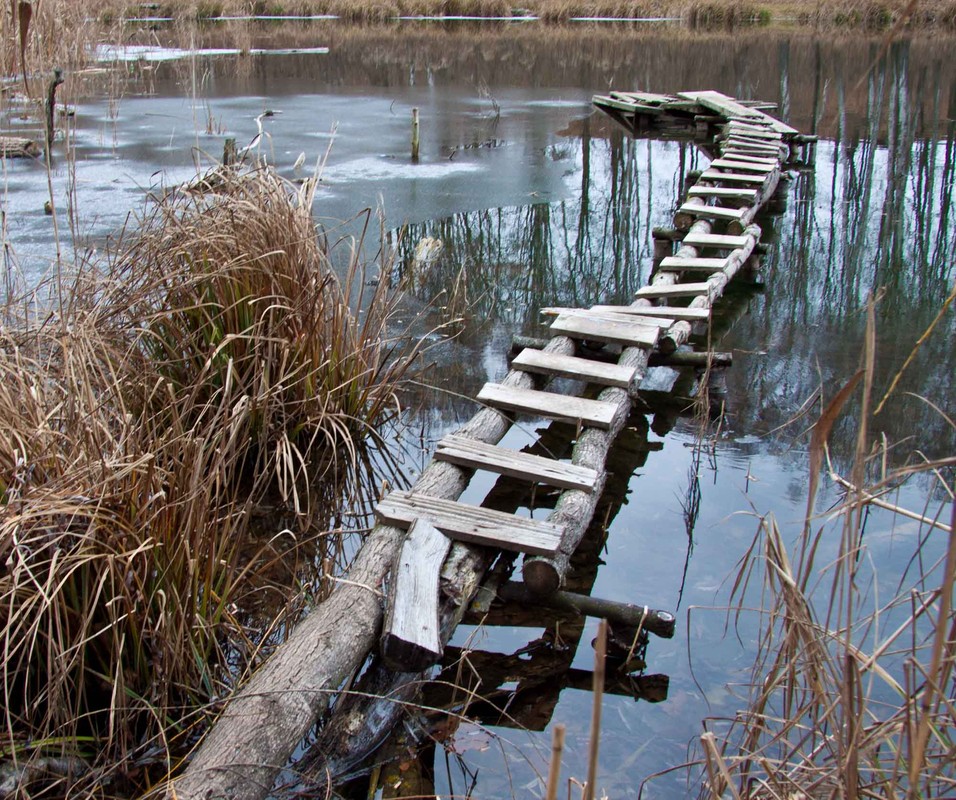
[214, 364]
[851, 692]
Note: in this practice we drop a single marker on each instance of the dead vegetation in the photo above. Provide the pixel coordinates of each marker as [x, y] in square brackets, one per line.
[851, 693]
[214, 367]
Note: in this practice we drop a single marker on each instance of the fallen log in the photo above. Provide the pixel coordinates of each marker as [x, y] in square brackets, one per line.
[19, 147]
[241, 757]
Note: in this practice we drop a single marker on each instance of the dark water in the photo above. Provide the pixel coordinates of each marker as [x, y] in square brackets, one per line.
[539, 202]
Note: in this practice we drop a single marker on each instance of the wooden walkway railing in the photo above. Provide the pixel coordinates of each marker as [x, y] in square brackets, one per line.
[438, 568]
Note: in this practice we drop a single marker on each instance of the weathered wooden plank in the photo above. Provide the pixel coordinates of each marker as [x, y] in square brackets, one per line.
[625, 105]
[753, 141]
[737, 156]
[730, 177]
[650, 98]
[504, 461]
[744, 166]
[711, 212]
[579, 410]
[584, 369]
[626, 332]
[673, 312]
[733, 192]
[714, 240]
[411, 627]
[471, 524]
[755, 131]
[675, 264]
[775, 124]
[722, 104]
[600, 313]
[675, 290]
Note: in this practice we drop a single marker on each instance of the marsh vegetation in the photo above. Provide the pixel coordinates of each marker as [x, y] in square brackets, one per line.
[189, 416]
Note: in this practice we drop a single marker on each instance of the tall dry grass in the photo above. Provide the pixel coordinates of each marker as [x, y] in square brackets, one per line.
[852, 692]
[214, 365]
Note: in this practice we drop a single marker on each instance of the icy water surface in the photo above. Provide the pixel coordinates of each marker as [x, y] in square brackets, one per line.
[540, 202]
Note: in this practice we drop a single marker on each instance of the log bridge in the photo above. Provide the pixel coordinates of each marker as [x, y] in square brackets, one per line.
[431, 552]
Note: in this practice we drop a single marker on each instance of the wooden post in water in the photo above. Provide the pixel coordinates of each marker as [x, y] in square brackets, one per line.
[415, 135]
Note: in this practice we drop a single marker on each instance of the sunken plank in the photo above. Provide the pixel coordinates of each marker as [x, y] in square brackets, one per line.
[673, 312]
[477, 455]
[411, 635]
[677, 264]
[745, 166]
[583, 369]
[735, 192]
[675, 290]
[603, 329]
[579, 410]
[730, 177]
[713, 212]
[471, 524]
[715, 240]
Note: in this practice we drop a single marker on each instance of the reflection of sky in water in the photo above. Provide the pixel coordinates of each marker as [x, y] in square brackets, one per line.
[806, 321]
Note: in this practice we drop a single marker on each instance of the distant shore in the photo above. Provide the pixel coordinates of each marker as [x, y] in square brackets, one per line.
[850, 14]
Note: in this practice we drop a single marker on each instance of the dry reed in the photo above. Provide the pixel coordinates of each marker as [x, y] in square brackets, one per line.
[851, 694]
[215, 362]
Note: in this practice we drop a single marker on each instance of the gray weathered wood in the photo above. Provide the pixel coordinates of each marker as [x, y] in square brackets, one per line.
[674, 264]
[713, 212]
[471, 524]
[714, 240]
[578, 410]
[573, 367]
[19, 147]
[266, 719]
[754, 131]
[741, 166]
[410, 632]
[722, 104]
[773, 162]
[599, 329]
[731, 177]
[677, 290]
[741, 192]
[603, 313]
[671, 312]
[501, 460]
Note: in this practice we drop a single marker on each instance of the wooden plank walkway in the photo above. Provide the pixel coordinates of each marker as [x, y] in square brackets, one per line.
[236, 758]
[728, 193]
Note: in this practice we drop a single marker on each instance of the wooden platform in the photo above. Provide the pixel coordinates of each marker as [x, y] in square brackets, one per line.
[742, 166]
[731, 177]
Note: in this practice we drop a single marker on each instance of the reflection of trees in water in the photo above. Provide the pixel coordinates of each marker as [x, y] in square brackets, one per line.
[585, 250]
[870, 216]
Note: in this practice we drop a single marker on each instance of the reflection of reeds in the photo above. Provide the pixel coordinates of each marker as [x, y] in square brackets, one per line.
[214, 365]
[851, 691]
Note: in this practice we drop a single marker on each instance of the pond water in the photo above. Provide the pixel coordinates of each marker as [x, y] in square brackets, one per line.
[539, 201]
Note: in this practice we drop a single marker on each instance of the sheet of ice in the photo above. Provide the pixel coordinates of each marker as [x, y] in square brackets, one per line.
[108, 53]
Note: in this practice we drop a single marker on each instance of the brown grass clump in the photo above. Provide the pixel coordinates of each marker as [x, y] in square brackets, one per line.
[851, 692]
[215, 363]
